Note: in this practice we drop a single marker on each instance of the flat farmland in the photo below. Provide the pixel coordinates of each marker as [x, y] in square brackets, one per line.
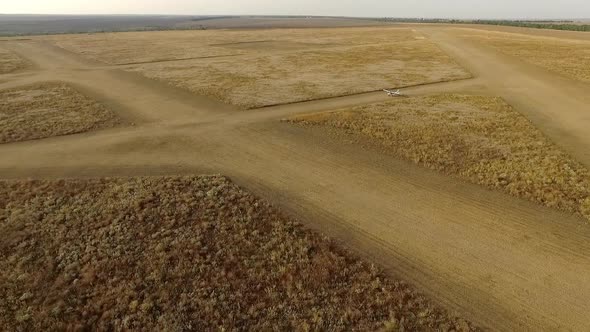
[277, 66]
[462, 204]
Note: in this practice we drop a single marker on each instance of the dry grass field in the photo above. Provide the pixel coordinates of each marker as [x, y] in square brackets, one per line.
[480, 213]
[49, 109]
[276, 66]
[10, 62]
[481, 139]
[183, 253]
[568, 57]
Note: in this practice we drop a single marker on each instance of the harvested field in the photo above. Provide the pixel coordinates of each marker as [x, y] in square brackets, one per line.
[277, 66]
[49, 109]
[568, 57]
[481, 139]
[177, 253]
[10, 62]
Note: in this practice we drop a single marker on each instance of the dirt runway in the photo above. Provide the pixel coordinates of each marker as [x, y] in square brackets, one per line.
[503, 263]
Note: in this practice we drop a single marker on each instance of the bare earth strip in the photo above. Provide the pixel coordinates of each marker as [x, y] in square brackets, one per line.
[569, 57]
[481, 139]
[558, 106]
[504, 263]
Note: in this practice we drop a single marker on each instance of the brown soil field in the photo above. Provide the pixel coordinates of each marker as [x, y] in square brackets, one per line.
[276, 66]
[10, 62]
[177, 253]
[569, 57]
[481, 139]
[49, 109]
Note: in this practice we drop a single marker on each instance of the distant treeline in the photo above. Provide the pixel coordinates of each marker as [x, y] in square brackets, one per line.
[555, 25]
[96, 31]
[206, 18]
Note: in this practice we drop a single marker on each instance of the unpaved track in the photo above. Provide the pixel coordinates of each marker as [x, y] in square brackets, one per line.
[499, 261]
[557, 105]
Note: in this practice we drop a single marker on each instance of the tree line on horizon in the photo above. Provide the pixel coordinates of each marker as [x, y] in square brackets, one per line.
[554, 25]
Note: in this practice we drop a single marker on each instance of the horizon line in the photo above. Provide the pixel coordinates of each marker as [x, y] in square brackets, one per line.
[313, 16]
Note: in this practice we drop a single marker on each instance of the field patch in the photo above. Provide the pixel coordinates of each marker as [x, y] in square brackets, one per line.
[566, 57]
[174, 253]
[49, 109]
[279, 66]
[252, 81]
[10, 62]
[273, 45]
[481, 139]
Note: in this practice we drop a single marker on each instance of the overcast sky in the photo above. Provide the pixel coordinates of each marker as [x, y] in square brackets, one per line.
[374, 8]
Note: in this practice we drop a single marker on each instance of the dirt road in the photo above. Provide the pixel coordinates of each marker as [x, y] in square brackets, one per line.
[504, 263]
[557, 105]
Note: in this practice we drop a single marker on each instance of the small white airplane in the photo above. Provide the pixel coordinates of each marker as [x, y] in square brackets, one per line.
[393, 93]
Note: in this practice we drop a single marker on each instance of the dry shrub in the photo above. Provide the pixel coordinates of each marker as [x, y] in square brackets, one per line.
[10, 62]
[183, 253]
[49, 109]
[481, 139]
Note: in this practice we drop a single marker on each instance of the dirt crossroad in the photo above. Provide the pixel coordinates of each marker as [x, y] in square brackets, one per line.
[504, 263]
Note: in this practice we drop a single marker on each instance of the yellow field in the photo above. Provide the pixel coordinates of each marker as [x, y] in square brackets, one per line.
[563, 56]
[276, 66]
[10, 62]
[481, 139]
[49, 109]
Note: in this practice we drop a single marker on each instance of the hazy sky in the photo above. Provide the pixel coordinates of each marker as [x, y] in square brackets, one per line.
[379, 8]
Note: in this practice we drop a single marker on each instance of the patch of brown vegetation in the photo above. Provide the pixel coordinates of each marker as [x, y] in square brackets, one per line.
[128, 47]
[10, 62]
[481, 139]
[178, 253]
[50, 109]
[567, 57]
[257, 80]
[278, 66]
